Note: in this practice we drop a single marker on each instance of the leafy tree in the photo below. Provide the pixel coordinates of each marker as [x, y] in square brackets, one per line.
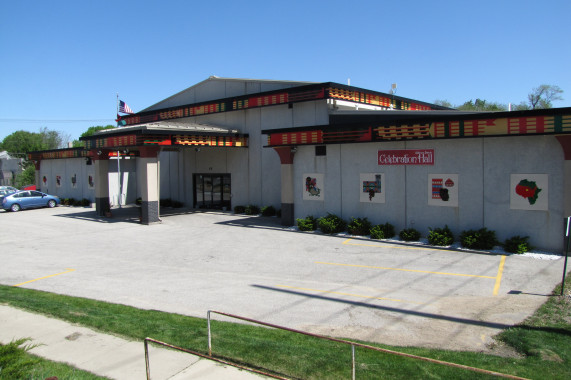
[482, 105]
[544, 95]
[21, 142]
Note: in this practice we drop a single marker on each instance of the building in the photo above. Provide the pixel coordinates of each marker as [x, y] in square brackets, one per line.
[318, 148]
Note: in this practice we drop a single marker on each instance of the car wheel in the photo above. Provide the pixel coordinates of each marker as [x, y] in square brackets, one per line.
[51, 203]
[15, 207]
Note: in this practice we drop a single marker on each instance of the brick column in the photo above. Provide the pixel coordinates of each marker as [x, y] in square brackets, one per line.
[101, 160]
[148, 182]
[286, 159]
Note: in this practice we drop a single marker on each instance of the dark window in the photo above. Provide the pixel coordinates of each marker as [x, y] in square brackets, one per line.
[321, 150]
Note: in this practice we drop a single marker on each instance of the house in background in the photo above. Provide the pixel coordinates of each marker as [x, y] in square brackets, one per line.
[10, 167]
[318, 148]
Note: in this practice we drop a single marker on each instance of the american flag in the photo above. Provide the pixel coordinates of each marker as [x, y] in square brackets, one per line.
[123, 107]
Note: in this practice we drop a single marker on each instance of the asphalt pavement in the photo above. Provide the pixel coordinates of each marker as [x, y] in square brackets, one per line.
[343, 286]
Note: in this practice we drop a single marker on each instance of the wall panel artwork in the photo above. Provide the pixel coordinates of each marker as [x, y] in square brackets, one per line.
[313, 187]
[529, 192]
[372, 188]
[443, 190]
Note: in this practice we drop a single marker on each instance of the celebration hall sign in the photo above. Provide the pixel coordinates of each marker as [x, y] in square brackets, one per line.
[406, 157]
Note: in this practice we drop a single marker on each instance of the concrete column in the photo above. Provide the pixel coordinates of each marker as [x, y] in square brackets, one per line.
[148, 182]
[286, 159]
[101, 161]
[565, 141]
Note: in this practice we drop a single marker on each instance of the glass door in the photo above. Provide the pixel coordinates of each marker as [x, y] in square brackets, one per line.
[212, 191]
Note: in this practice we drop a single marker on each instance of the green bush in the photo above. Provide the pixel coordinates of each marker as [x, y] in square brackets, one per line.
[279, 213]
[517, 244]
[440, 236]
[268, 211]
[77, 203]
[177, 204]
[359, 226]
[478, 239]
[239, 209]
[331, 224]
[307, 224]
[409, 234]
[165, 202]
[139, 201]
[382, 231]
[85, 202]
[252, 210]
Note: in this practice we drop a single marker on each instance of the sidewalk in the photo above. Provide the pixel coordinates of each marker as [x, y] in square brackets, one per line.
[107, 355]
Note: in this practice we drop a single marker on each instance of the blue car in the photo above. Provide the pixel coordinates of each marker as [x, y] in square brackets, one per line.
[28, 199]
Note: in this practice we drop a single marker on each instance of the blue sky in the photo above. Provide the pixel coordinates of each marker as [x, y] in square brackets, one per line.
[62, 63]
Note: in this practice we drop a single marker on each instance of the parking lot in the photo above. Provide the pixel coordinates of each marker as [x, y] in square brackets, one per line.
[341, 286]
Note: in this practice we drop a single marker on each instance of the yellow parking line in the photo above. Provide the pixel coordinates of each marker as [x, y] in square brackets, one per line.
[42, 278]
[347, 242]
[499, 276]
[346, 294]
[409, 270]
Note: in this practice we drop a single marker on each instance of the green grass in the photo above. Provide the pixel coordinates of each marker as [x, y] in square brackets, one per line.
[543, 336]
[17, 363]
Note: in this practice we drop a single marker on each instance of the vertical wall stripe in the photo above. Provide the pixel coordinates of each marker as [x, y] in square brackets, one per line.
[558, 123]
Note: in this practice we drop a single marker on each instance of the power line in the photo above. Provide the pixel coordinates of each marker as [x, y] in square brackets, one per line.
[52, 120]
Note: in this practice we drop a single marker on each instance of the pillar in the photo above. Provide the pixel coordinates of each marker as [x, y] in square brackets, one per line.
[101, 161]
[565, 141]
[148, 181]
[286, 158]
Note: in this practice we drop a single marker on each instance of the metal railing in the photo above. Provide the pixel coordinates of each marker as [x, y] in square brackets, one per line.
[353, 345]
[148, 367]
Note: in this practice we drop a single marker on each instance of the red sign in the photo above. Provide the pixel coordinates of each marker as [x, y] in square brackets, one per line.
[406, 157]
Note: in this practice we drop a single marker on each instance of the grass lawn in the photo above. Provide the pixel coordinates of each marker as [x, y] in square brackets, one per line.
[16, 363]
[543, 341]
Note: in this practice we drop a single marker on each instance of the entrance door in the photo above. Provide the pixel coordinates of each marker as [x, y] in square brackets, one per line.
[212, 191]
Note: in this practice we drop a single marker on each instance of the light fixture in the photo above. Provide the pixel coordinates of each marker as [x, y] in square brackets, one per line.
[293, 149]
[99, 153]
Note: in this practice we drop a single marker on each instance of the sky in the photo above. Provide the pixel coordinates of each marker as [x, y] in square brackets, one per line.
[62, 63]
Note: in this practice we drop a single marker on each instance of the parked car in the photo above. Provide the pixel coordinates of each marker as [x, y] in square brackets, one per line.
[5, 190]
[28, 199]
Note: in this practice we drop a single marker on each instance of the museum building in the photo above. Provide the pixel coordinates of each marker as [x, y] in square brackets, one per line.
[317, 148]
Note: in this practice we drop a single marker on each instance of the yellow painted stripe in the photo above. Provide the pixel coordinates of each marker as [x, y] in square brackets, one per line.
[499, 276]
[42, 278]
[408, 270]
[345, 294]
[347, 242]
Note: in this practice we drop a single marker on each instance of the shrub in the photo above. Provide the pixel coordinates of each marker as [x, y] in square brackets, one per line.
[177, 204]
[279, 213]
[478, 239]
[85, 202]
[252, 210]
[382, 231]
[239, 209]
[331, 224]
[409, 234]
[139, 201]
[440, 236]
[307, 224]
[268, 211]
[359, 226]
[77, 203]
[517, 244]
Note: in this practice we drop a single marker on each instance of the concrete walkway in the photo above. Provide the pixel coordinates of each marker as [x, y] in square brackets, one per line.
[106, 355]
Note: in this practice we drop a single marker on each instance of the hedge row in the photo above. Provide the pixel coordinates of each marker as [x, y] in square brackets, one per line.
[483, 238]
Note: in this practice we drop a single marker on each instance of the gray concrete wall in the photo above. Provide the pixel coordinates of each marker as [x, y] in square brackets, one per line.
[484, 167]
[66, 169]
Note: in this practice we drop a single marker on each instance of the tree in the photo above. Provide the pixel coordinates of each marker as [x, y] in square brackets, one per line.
[482, 105]
[543, 96]
[22, 142]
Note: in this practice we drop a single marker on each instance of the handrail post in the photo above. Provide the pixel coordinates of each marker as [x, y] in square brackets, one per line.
[209, 335]
[147, 359]
[353, 360]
